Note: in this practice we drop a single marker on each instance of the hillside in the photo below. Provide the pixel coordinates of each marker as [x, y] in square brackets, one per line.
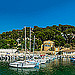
[62, 35]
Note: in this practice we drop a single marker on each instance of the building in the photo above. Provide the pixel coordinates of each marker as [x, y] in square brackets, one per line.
[5, 51]
[68, 52]
[47, 46]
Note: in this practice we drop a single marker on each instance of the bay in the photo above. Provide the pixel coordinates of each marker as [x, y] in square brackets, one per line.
[56, 67]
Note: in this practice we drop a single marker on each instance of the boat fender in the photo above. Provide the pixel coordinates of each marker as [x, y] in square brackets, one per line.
[37, 64]
[22, 64]
[17, 65]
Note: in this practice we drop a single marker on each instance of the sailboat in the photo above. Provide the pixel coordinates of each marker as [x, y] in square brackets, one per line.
[23, 64]
[32, 61]
[38, 61]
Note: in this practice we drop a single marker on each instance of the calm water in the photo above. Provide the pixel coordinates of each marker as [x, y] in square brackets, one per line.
[56, 67]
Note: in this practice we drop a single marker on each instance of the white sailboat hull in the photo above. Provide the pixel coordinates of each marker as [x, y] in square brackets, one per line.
[25, 66]
[22, 65]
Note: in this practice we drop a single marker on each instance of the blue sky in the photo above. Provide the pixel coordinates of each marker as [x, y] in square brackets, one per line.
[15, 14]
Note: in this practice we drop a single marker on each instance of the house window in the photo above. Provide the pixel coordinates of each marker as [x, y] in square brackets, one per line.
[69, 52]
[45, 45]
[51, 45]
[56, 52]
[49, 42]
[52, 42]
[56, 49]
[53, 52]
[48, 45]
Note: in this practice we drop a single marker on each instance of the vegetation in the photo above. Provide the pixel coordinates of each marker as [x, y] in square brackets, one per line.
[67, 45]
[62, 35]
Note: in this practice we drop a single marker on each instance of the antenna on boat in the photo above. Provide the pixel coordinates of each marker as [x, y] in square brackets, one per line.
[33, 46]
[25, 43]
[30, 43]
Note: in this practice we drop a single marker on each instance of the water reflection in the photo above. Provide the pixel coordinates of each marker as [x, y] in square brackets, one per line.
[56, 67]
[26, 71]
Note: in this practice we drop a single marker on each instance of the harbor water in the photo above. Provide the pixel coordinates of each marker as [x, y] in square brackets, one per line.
[55, 67]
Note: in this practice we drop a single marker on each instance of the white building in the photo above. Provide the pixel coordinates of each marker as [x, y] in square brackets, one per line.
[68, 52]
[8, 50]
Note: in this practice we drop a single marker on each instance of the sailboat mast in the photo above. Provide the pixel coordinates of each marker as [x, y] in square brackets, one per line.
[30, 43]
[25, 43]
[33, 46]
